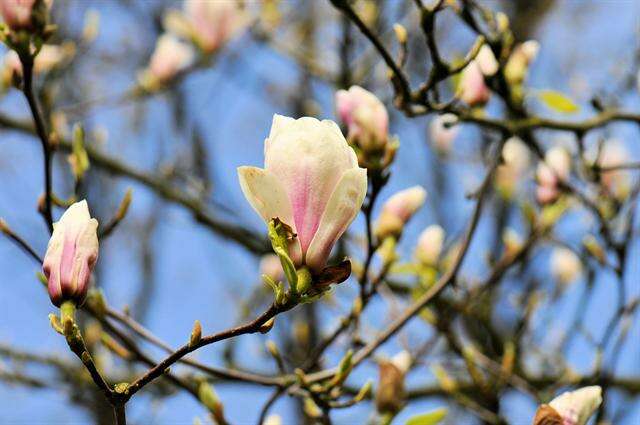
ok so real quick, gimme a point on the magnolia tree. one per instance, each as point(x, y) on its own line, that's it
point(481, 266)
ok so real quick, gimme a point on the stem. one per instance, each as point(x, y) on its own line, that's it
point(27, 67)
point(119, 414)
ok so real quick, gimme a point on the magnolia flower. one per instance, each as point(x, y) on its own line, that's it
point(571, 407)
point(616, 182)
point(270, 265)
point(391, 394)
point(430, 244)
point(442, 132)
point(169, 58)
point(71, 255)
point(487, 61)
point(365, 116)
point(565, 265)
point(398, 210)
point(518, 64)
point(516, 162)
point(17, 14)
point(472, 89)
point(555, 169)
point(311, 181)
point(210, 24)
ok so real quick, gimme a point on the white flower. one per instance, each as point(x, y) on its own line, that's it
point(310, 181)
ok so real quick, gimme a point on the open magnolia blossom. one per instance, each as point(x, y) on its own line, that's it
point(429, 245)
point(71, 255)
point(170, 57)
point(310, 181)
point(210, 24)
point(398, 210)
point(571, 407)
point(472, 89)
point(365, 116)
point(443, 131)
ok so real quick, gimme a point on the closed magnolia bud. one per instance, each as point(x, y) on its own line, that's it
point(472, 89)
point(555, 168)
point(518, 64)
point(311, 182)
point(442, 132)
point(390, 396)
point(210, 24)
point(565, 265)
point(170, 57)
point(365, 116)
point(515, 155)
point(616, 182)
point(487, 61)
point(398, 210)
point(430, 244)
point(512, 242)
point(571, 407)
point(19, 14)
point(270, 265)
point(71, 255)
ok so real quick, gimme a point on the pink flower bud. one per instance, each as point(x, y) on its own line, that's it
point(576, 407)
point(442, 133)
point(310, 181)
point(398, 210)
point(169, 58)
point(17, 13)
point(365, 116)
point(472, 89)
point(71, 255)
point(555, 168)
point(270, 265)
point(616, 182)
point(214, 22)
point(430, 244)
point(487, 61)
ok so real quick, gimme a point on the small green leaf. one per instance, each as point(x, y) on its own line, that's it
point(431, 418)
point(558, 101)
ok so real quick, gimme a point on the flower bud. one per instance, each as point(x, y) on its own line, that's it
point(616, 182)
point(71, 255)
point(273, 420)
point(209, 24)
point(555, 168)
point(170, 57)
point(397, 211)
point(390, 396)
point(311, 182)
point(270, 266)
point(365, 116)
point(430, 244)
point(18, 14)
point(516, 161)
point(49, 57)
point(472, 89)
point(512, 242)
point(571, 407)
point(487, 61)
point(518, 64)
point(442, 132)
point(565, 265)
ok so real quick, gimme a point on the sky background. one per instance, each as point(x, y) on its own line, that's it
point(197, 275)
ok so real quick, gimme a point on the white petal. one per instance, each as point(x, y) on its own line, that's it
point(279, 123)
point(342, 208)
point(269, 199)
point(577, 406)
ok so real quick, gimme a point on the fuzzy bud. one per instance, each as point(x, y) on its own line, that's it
point(472, 89)
point(571, 407)
point(430, 244)
point(397, 211)
point(365, 117)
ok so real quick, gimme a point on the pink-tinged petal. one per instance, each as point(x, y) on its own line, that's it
point(342, 208)
point(67, 281)
point(308, 157)
point(269, 199)
point(279, 124)
point(547, 194)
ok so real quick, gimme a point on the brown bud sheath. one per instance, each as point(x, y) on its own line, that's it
point(547, 415)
